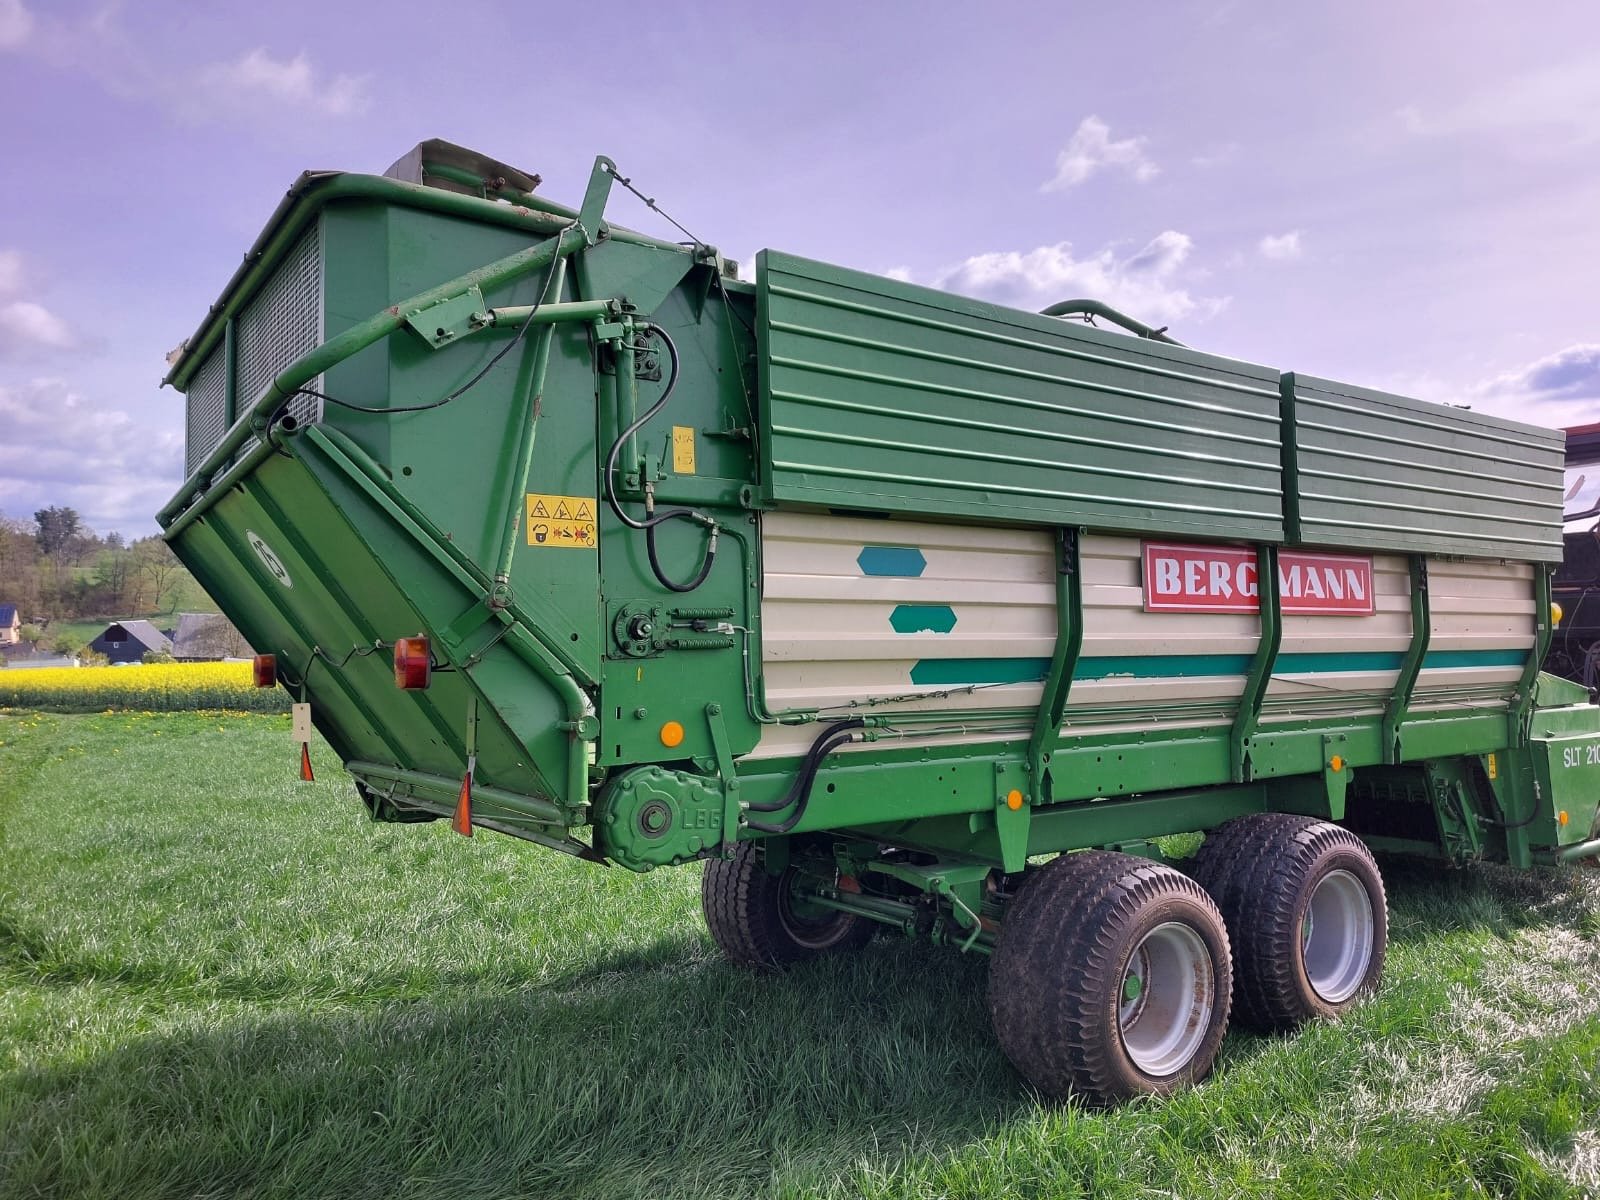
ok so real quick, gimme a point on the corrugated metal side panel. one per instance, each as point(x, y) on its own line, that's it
point(1483, 615)
point(906, 616)
point(839, 629)
point(1377, 471)
point(882, 395)
point(282, 323)
point(206, 404)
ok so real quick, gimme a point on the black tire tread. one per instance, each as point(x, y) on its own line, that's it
point(1256, 868)
point(740, 900)
point(1051, 973)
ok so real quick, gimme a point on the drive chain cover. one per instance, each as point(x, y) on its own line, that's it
point(653, 817)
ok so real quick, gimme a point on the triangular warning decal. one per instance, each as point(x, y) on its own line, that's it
point(584, 513)
point(539, 510)
point(563, 513)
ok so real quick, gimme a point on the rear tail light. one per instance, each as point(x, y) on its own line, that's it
point(264, 671)
point(413, 665)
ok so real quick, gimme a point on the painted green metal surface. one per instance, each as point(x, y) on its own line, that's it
point(1371, 470)
point(819, 388)
point(882, 395)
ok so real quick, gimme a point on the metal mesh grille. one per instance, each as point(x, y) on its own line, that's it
point(207, 403)
point(283, 322)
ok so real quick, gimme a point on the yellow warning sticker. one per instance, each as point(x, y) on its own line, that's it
point(683, 450)
point(567, 522)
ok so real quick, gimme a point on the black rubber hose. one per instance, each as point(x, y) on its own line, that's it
point(649, 523)
point(799, 793)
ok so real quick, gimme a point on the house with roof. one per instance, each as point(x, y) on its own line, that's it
point(207, 637)
point(130, 641)
point(10, 625)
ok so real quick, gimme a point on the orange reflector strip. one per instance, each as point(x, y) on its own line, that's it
point(462, 821)
point(305, 763)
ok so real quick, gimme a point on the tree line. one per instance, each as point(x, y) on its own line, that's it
point(56, 568)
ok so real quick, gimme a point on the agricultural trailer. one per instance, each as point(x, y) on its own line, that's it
point(902, 611)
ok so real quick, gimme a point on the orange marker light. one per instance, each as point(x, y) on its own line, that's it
point(671, 734)
point(264, 671)
point(1013, 799)
point(1562, 818)
point(1336, 763)
point(413, 664)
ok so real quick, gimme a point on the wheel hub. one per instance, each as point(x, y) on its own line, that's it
point(1336, 936)
point(1167, 997)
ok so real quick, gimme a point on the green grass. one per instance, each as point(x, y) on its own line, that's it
point(218, 981)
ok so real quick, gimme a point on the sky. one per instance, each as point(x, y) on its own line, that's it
point(1393, 193)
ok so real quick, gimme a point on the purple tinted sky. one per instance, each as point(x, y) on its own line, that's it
point(1400, 194)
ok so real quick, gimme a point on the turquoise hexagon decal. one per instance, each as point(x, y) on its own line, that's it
point(905, 562)
point(923, 618)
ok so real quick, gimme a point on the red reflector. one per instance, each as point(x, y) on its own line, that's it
point(265, 670)
point(305, 763)
point(412, 664)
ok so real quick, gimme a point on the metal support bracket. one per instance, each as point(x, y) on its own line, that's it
point(1421, 630)
point(450, 319)
point(722, 748)
point(1266, 656)
point(593, 209)
point(1063, 664)
point(1335, 772)
point(1521, 713)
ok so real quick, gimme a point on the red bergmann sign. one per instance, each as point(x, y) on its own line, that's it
point(1222, 579)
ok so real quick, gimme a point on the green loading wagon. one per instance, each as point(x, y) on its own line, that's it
point(879, 599)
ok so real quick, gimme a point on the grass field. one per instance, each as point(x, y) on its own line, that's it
point(218, 981)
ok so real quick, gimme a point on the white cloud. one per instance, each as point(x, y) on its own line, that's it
point(1281, 247)
point(60, 449)
point(1146, 284)
point(1091, 149)
point(903, 274)
point(1555, 105)
point(27, 327)
point(293, 83)
point(1562, 388)
point(16, 23)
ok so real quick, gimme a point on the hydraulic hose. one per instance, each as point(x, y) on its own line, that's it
point(799, 793)
point(654, 519)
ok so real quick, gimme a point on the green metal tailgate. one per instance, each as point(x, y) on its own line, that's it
point(886, 396)
point(1378, 471)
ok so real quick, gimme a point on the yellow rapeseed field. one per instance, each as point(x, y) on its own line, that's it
point(152, 687)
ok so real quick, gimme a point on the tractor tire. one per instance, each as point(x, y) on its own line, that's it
point(1306, 913)
point(1110, 979)
point(753, 918)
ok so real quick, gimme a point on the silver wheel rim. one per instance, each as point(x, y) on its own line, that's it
point(1336, 936)
point(1168, 993)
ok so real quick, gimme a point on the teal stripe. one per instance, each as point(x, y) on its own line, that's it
point(957, 672)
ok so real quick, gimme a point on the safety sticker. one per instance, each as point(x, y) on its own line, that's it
point(567, 522)
point(683, 449)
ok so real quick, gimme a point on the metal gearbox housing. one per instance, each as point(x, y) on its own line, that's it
point(653, 817)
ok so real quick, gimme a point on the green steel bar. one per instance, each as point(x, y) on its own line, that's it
point(1093, 308)
point(547, 314)
point(532, 807)
point(1063, 661)
point(628, 390)
point(220, 486)
point(1522, 702)
point(510, 194)
point(527, 427)
point(355, 339)
point(1579, 852)
point(1266, 656)
point(1421, 631)
point(303, 204)
point(230, 374)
